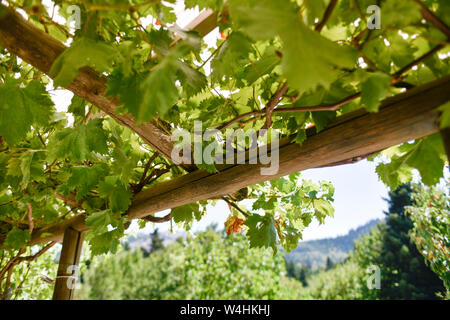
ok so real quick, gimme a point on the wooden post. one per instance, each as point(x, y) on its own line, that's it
point(68, 265)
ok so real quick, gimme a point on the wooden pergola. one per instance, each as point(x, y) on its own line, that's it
point(350, 138)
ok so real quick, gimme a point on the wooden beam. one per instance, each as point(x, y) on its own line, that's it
point(407, 116)
point(206, 21)
point(68, 265)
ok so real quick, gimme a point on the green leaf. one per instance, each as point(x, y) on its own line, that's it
point(160, 40)
point(393, 174)
point(99, 221)
point(104, 243)
point(204, 4)
point(427, 158)
point(300, 137)
point(17, 238)
point(160, 91)
point(263, 203)
point(322, 118)
point(77, 107)
point(262, 66)
point(78, 143)
point(425, 155)
point(117, 194)
point(444, 120)
point(186, 214)
point(323, 209)
point(231, 57)
point(127, 89)
point(20, 108)
point(84, 179)
point(192, 80)
point(390, 13)
point(83, 52)
point(308, 59)
point(261, 231)
point(374, 89)
point(23, 166)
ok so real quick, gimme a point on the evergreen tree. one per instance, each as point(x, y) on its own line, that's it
point(330, 264)
point(157, 243)
point(404, 274)
point(299, 272)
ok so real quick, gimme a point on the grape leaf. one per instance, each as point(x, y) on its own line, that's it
point(410, 13)
point(426, 157)
point(393, 174)
point(262, 66)
point(78, 143)
point(261, 231)
point(22, 165)
point(105, 242)
point(117, 194)
point(192, 80)
point(234, 225)
point(84, 179)
point(204, 4)
point(374, 89)
point(309, 59)
point(323, 209)
point(186, 214)
point(444, 120)
point(22, 107)
point(77, 107)
point(322, 118)
point(17, 238)
point(99, 221)
point(83, 52)
point(127, 89)
point(231, 57)
point(160, 91)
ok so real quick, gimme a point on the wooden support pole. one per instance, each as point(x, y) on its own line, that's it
point(68, 265)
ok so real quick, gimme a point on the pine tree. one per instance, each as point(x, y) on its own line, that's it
point(404, 274)
point(330, 264)
point(157, 243)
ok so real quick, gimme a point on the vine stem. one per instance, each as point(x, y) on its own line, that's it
point(231, 203)
point(274, 101)
point(326, 15)
point(433, 19)
point(398, 74)
point(17, 259)
point(158, 219)
point(397, 77)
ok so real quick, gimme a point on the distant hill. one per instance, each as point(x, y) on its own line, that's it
point(314, 253)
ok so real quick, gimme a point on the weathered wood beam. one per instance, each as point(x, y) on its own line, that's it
point(407, 116)
point(68, 265)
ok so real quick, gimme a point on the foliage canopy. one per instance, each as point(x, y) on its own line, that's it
point(52, 169)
